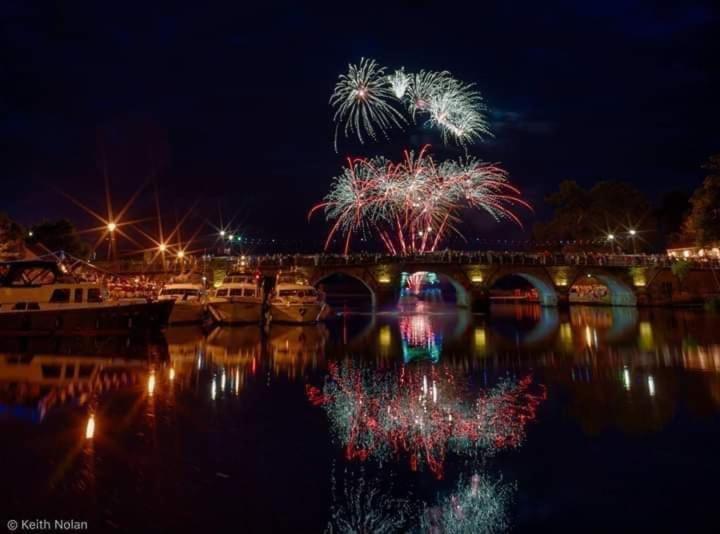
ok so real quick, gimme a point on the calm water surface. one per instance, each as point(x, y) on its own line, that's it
point(522, 419)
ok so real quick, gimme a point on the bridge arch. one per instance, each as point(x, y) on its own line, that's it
point(541, 282)
point(621, 293)
point(462, 295)
point(318, 279)
point(450, 276)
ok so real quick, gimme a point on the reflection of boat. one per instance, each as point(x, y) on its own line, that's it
point(32, 385)
point(185, 344)
point(294, 300)
point(230, 345)
point(239, 299)
point(293, 348)
point(190, 301)
point(38, 296)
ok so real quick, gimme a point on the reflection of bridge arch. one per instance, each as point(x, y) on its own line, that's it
point(539, 280)
point(548, 323)
point(621, 293)
point(325, 275)
point(624, 321)
point(547, 326)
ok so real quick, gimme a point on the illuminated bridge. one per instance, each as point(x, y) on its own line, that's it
point(630, 279)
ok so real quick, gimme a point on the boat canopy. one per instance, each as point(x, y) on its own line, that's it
point(32, 273)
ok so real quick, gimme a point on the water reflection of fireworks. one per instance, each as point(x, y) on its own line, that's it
point(419, 339)
point(362, 503)
point(423, 413)
point(478, 506)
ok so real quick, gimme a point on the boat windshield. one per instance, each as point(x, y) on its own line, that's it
point(239, 280)
point(239, 292)
point(180, 291)
point(292, 278)
point(298, 293)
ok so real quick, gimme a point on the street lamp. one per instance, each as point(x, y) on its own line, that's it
point(162, 247)
point(181, 254)
point(633, 233)
point(111, 226)
point(222, 233)
point(611, 238)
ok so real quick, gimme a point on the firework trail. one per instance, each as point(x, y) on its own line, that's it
point(413, 205)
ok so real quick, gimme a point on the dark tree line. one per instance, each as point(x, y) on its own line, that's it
point(616, 215)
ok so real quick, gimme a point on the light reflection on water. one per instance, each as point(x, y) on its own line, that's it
point(407, 397)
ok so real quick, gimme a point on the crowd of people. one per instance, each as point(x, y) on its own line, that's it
point(480, 257)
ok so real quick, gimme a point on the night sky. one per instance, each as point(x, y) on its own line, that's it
point(229, 105)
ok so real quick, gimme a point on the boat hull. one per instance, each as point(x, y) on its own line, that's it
point(114, 317)
point(296, 313)
point(187, 312)
point(238, 312)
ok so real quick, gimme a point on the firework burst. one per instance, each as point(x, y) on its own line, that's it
point(368, 101)
point(413, 205)
point(363, 99)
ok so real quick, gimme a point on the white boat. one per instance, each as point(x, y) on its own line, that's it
point(190, 301)
point(239, 299)
point(294, 300)
point(40, 297)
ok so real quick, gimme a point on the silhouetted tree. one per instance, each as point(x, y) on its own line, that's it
point(584, 218)
point(670, 216)
point(703, 223)
point(11, 236)
point(60, 235)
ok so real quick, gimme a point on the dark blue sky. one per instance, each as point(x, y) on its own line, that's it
point(230, 104)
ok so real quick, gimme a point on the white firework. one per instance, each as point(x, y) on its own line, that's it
point(422, 87)
point(399, 82)
point(367, 101)
point(364, 102)
point(456, 109)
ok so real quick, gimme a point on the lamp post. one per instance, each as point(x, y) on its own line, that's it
point(111, 227)
point(611, 238)
point(633, 233)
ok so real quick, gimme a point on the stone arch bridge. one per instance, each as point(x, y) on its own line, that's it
point(628, 283)
point(631, 279)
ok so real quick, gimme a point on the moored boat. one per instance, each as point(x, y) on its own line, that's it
point(239, 299)
point(39, 297)
point(190, 301)
point(294, 300)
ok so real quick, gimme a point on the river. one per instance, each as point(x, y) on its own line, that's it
point(521, 419)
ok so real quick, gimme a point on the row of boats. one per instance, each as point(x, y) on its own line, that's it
point(241, 299)
point(42, 296)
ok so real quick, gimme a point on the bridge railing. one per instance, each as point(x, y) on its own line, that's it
point(483, 258)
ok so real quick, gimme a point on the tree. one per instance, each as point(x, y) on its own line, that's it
point(584, 218)
point(703, 223)
point(11, 235)
point(670, 215)
point(60, 235)
point(681, 269)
